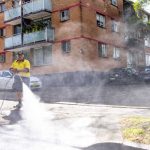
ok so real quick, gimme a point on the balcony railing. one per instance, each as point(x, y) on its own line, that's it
point(28, 38)
point(43, 35)
point(31, 7)
point(13, 41)
point(12, 13)
point(36, 6)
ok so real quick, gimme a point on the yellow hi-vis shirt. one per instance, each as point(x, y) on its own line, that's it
point(21, 65)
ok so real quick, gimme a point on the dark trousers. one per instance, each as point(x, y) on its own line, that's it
point(18, 83)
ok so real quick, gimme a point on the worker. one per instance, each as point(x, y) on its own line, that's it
point(21, 70)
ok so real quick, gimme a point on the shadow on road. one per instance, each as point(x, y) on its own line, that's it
point(13, 117)
point(111, 146)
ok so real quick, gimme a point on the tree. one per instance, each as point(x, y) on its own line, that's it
point(140, 9)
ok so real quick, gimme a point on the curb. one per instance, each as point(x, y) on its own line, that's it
point(100, 105)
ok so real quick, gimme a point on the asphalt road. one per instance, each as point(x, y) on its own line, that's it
point(65, 126)
point(129, 95)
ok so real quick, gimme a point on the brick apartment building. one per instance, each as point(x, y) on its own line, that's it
point(63, 35)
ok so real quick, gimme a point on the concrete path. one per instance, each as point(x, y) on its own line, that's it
point(71, 126)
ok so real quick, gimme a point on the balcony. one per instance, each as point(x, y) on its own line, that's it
point(13, 41)
point(37, 9)
point(30, 40)
point(39, 36)
point(31, 10)
point(13, 16)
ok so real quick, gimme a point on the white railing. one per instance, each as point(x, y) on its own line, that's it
point(36, 5)
point(13, 41)
point(29, 7)
point(28, 38)
point(12, 13)
point(43, 35)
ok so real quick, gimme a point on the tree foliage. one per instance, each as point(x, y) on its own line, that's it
point(139, 6)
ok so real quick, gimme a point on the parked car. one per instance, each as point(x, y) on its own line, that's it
point(144, 72)
point(123, 76)
point(7, 80)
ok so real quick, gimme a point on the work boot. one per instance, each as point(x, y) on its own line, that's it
point(18, 106)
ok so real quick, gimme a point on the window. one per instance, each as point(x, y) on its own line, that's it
point(66, 46)
point(114, 2)
point(2, 57)
point(129, 59)
point(147, 59)
point(2, 7)
point(64, 15)
point(147, 42)
point(2, 32)
point(17, 29)
point(42, 56)
point(114, 26)
point(15, 3)
point(116, 53)
point(102, 50)
point(100, 20)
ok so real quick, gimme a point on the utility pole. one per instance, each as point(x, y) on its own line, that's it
point(21, 3)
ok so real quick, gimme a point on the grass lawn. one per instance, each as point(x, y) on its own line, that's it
point(136, 129)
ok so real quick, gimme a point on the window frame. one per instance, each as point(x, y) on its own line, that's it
point(114, 3)
point(66, 16)
point(100, 20)
point(15, 3)
point(15, 29)
point(116, 51)
point(147, 59)
point(114, 27)
point(102, 50)
point(66, 46)
point(42, 50)
point(2, 32)
point(147, 42)
point(2, 57)
point(2, 7)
